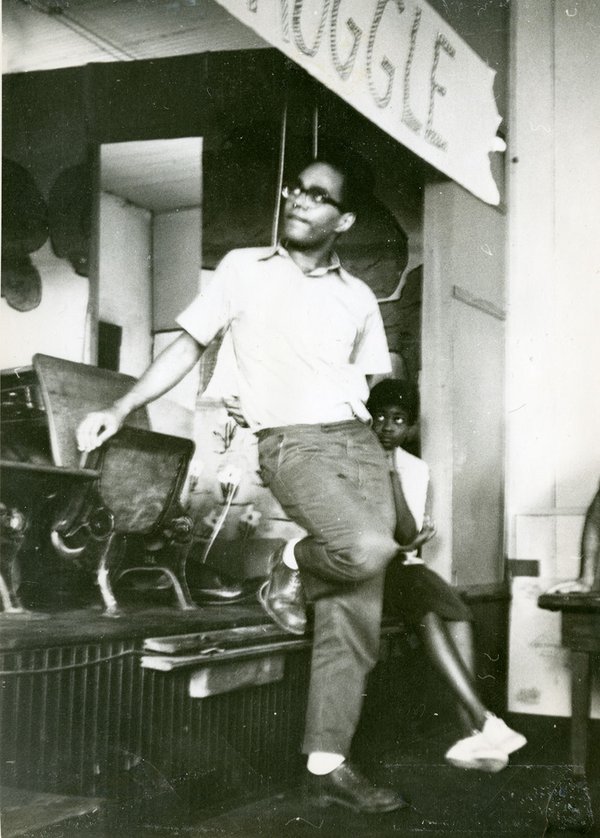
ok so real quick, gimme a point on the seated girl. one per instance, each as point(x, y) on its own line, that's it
point(421, 598)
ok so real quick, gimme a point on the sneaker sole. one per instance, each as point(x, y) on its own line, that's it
point(261, 595)
point(489, 766)
point(510, 743)
point(326, 800)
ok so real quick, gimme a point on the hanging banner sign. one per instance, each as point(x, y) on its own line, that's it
point(401, 66)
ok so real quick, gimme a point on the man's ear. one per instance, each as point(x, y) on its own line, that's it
point(346, 221)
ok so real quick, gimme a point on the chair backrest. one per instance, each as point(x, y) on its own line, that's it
point(141, 476)
point(71, 390)
point(141, 471)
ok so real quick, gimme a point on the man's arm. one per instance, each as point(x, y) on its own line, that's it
point(164, 372)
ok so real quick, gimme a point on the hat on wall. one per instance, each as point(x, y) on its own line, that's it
point(21, 284)
point(24, 230)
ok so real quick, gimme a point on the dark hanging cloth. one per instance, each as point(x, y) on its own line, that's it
point(24, 230)
point(402, 322)
point(239, 192)
point(70, 216)
point(375, 248)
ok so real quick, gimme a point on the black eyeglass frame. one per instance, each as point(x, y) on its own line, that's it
point(316, 197)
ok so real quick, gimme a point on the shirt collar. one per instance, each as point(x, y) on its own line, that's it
point(334, 266)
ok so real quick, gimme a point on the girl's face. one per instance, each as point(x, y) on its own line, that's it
point(392, 426)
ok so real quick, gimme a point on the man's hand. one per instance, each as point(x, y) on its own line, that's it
point(97, 427)
point(164, 372)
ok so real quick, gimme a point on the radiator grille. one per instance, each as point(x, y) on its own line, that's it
point(87, 720)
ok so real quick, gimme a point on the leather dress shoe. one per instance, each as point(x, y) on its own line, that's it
point(282, 598)
point(347, 787)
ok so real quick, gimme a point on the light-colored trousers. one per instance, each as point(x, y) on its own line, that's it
point(333, 481)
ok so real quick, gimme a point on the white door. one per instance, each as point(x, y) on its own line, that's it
point(462, 387)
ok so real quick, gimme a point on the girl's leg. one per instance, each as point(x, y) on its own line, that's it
point(490, 740)
point(443, 652)
point(461, 633)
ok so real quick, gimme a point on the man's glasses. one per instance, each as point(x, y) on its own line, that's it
point(313, 195)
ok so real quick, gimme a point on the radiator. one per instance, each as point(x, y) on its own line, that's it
point(88, 720)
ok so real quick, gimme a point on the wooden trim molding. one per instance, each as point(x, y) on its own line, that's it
point(464, 296)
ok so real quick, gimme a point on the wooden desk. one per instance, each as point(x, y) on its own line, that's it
point(125, 515)
point(581, 634)
point(29, 491)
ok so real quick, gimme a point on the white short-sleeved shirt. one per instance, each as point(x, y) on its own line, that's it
point(413, 474)
point(303, 342)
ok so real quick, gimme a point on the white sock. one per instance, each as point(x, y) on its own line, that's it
point(288, 557)
point(323, 762)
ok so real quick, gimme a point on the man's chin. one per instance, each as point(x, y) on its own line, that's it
point(296, 242)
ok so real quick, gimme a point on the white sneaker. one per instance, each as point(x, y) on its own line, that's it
point(500, 735)
point(476, 752)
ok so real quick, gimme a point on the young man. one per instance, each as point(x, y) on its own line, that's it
point(306, 334)
point(421, 598)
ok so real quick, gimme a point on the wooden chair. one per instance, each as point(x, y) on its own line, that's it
point(70, 391)
point(130, 519)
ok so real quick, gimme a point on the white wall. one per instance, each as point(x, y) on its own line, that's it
point(553, 354)
point(177, 253)
point(554, 281)
point(173, 413)
point(577, 217)
point(462, 382)
point(177, 249)
point(57, 326)
point(125, 278)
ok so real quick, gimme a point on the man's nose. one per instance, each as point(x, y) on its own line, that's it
point(301, 200)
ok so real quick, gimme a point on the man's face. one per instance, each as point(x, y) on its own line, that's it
point(308, 224)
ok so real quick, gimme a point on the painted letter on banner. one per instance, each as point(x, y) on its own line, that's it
point(400, 65)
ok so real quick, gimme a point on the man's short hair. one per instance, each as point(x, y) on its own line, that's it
point(357, 189)
point(395, 392)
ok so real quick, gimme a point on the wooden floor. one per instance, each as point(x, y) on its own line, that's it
point(25, 811)
point(536, 796)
